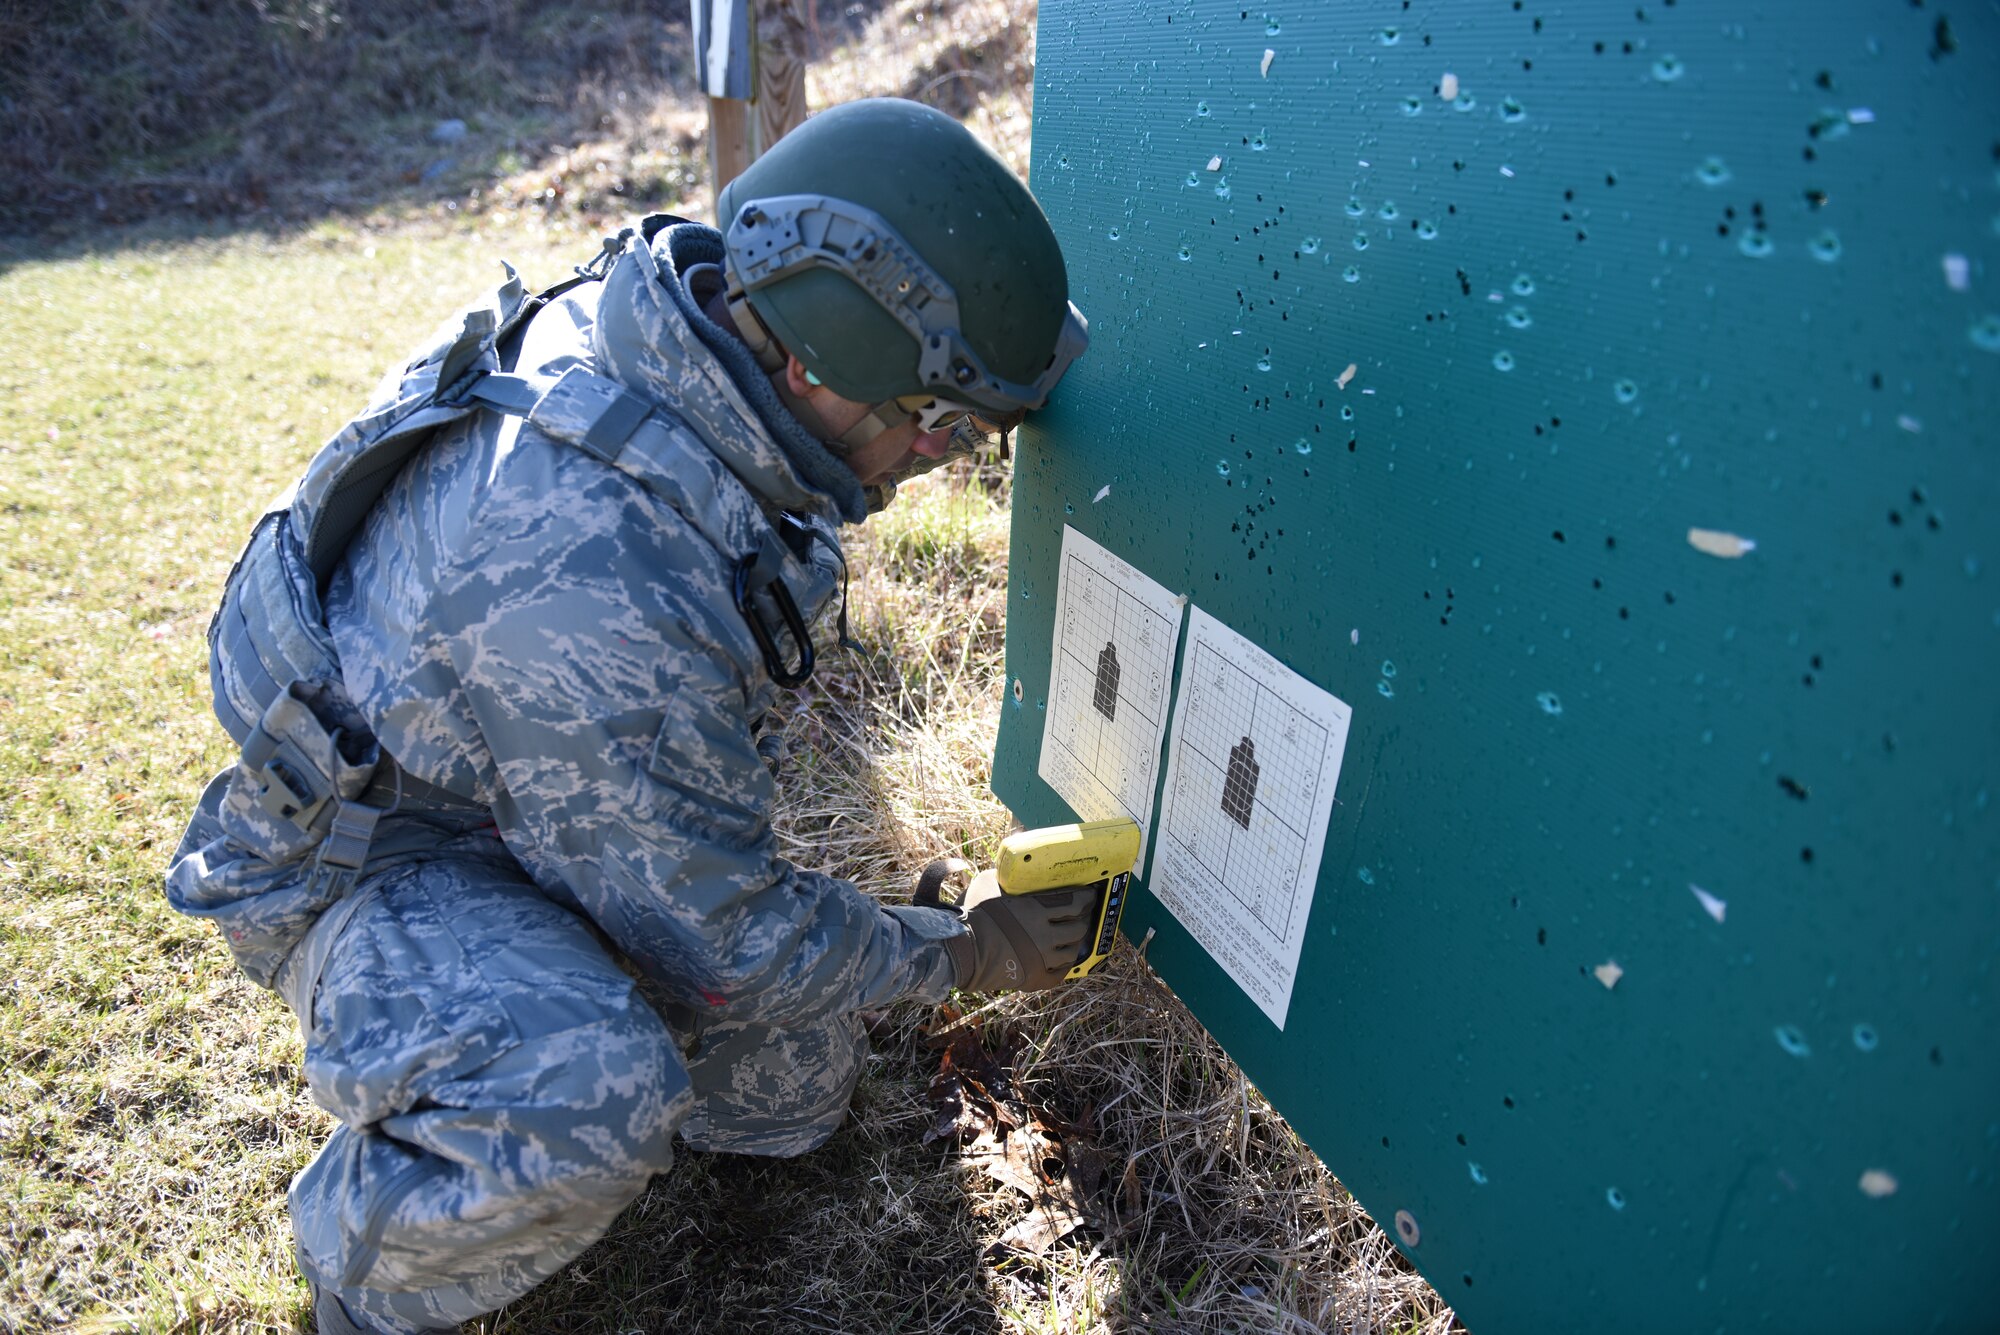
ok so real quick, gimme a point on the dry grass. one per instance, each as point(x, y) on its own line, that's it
point(1207, 1213)
point(153, 1109)
point(151, 1103)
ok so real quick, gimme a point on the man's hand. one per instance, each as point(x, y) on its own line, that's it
point(1019, 942)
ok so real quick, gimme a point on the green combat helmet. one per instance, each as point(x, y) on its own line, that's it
point(902, 263)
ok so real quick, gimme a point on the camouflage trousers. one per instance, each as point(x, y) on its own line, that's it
point(504, 1090)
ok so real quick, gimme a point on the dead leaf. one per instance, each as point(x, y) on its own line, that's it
point(1041, 1228)
point(1008, 1162)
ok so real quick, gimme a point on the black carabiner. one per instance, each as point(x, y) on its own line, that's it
point(767, 643)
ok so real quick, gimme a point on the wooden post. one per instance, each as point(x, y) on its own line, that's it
point(739, 130)
point(730, 146)
point(778, 30)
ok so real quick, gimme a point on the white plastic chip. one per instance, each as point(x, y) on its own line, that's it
point(1716, 907)
point(1608, 973)
point(1716, 543)
point(1264, 70)
point(1877, 1183)
point(1448, 88)
point(1346, 375)
point(1102, 492)
point(1215, 163)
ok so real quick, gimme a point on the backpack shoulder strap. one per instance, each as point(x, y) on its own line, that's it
point(354, 468)
point(606, 420)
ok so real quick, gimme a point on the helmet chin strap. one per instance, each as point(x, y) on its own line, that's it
point(771, 357)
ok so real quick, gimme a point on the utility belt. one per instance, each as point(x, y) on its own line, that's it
point(325, 785)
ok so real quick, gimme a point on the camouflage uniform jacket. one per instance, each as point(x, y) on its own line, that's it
point(521, 622)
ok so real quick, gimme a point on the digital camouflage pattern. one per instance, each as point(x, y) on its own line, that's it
point(551, 635)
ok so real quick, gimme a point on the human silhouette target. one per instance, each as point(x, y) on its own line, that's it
point(1116, 635)
point(1253, 758)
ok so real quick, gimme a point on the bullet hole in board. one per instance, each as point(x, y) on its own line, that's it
point(1937, 1057)
point(1944, 41)
point(1670, 597)
point(1461, 1137)
point(1558, 536)
point(1467, 1277)
point(1541, 939)
point(1816, 197)
point(1385, 1142)
point(1507, 1100)
point(1624, 614)
point(1824, 79)
point(1806, 855)
point(1896, 579)
point(1793, 788)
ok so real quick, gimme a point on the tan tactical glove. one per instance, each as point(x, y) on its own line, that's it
point(1016, 942)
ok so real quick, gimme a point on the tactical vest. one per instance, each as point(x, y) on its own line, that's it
point(307, 752)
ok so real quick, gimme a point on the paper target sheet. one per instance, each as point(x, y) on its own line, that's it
point(1116, 632)
point(1251, 769)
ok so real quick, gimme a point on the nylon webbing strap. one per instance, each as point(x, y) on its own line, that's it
point(515, 395)
point(592, 412)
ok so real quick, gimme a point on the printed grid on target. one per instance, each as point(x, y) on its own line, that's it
point(1238, 739)
point(1114, 653)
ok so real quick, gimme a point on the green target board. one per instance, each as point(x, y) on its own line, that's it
point(1523, 541)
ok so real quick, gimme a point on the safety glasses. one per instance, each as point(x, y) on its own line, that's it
point(935, 414)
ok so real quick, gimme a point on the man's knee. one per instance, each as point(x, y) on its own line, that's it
point(595, 1103)
point(505, 1089)
point(773, 1092)
point(497, 1179)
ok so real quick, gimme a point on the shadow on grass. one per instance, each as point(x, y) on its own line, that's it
point(129, 125)
point(869, 1234)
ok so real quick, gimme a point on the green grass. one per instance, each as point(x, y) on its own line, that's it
point(152, 1109)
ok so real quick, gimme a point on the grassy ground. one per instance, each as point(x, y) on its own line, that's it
point(153, 1108)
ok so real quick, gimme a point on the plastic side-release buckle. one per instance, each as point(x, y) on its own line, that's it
point(347, 840)
point(759, 572)
point(285, 774)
